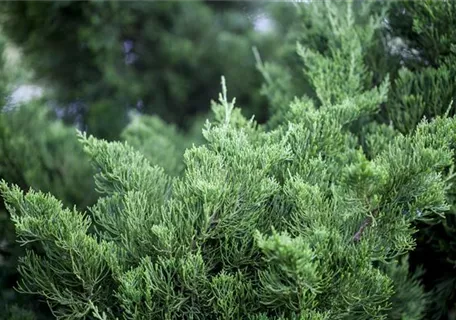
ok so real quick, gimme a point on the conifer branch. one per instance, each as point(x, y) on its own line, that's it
point(364, 225)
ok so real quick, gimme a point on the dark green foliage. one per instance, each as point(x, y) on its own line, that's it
point(425, 85)
point(414, 95)
point(15, 313)
point(426, 29)
point(103, 58)
point(37, 151)
point(427, 88)
point(40, 152)
point(409, 300)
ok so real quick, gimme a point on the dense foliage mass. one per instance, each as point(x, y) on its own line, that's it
point(427, 88)
point(414, 47)
point(260, 226)
point(340, 206)
point(38, 152)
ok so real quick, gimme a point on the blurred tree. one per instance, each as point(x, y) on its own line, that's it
point(162, 144)
point(104, 58)
point(35, 151)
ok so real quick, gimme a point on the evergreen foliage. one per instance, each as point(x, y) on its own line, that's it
point(426, 87)
point(39, 152)
point(413, 47)
point(292, 220)
point(310, 216)
point(409, 300)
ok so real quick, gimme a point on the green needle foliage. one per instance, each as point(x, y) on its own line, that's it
point(40, 152)
point(426, 87)
point(310, 216)
point(293, 222)
point(35, 151)
point(409, 44)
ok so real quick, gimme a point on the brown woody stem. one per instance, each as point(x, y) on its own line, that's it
point(360, 231)
point(364, 225)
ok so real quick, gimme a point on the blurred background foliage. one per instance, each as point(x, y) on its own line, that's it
point(101, 59)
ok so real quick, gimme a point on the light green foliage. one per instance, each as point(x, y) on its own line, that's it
point(334, 40)
point(339, 42)
point(284, 224)
point(341, 74)
point(29, 155)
